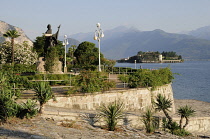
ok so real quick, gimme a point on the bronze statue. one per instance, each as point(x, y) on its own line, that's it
point(50, 39)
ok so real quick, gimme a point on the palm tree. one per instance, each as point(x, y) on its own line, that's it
point(43, 94)
point(112, 113)
point(164, 104)
point(12, 34)
point(185, 112)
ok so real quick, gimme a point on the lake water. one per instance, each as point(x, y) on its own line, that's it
point(193, 81)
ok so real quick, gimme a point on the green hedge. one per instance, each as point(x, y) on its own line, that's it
point(148, 78)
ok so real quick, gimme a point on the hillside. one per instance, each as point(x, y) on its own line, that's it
point(130, 40)
point(4, 27)
point(202, 33)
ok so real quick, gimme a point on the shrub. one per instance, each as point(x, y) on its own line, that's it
point(148, 78)
point(89, 82)
point(8, 107)
point(181, 132)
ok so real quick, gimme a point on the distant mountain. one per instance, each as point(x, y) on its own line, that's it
point(4, 27)
point(203, 32)
point(72, 42)
point(123, 42)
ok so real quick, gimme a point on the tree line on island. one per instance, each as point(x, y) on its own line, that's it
point(152, 57)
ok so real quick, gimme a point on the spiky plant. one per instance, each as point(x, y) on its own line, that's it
point(27, 109)
point(149, 121)
point(185, 112)
point(164, 104)
point(112, 113)
point(43, 93)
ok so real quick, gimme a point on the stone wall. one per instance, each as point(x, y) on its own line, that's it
point(133, 99)
point(197, 124)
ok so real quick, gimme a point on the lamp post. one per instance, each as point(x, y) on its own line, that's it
point(98, 35)
point(65, 42)
point(135, 64)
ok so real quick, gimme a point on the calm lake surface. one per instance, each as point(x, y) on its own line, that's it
point(193, 81)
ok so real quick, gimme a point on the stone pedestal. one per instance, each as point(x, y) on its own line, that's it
point(40, 65)
point(56, 69)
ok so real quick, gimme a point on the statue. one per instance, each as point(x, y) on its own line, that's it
point(50, 39)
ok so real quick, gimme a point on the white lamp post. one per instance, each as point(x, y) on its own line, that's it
point(98, 35)
point(65, 42)
point(135, 64)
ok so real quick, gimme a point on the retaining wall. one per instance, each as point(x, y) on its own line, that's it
point(133, 99)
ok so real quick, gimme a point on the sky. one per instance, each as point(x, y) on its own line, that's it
point(76, 16)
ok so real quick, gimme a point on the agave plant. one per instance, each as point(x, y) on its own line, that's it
point(27, 109)
point(43, 93)
point(112, 113)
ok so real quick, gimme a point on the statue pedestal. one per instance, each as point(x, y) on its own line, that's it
point(40, 65)
point(56, 69)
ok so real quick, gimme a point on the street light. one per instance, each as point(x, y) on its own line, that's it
point(135, 64)
point(98, 35)
point(65, 42)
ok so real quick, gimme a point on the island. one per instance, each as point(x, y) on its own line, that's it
point(153, 57)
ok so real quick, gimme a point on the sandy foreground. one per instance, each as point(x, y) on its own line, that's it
point(40, 128)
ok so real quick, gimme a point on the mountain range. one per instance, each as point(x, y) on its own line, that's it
point(122, 42)
point(4, 27)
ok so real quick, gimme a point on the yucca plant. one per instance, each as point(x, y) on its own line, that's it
point(112, 113)
point(185, 112)
point(43, 93)
point(149, 121)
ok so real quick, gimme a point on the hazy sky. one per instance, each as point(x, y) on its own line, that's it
point(82, 15)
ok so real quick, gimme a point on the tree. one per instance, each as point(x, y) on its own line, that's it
point(43, 93)
point(70, 54)
point(87, 54)
point(12, 34)
point(112, 113)
point(185, 112)
point(51, 59)
point(164, 104)
point(39, 45)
